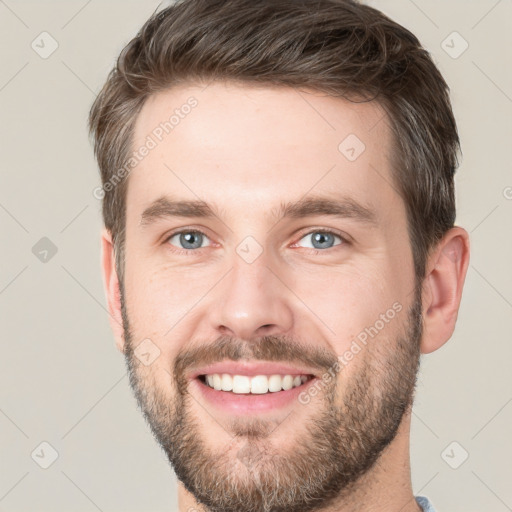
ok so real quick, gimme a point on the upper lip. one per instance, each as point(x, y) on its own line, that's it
point(251, 369)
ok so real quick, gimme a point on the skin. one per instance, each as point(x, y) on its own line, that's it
point(246, 150)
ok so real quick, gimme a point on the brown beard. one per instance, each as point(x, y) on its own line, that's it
point(337, 446)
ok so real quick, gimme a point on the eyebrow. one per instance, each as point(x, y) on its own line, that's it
point(343, 207)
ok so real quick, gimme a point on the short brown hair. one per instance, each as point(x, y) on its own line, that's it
point(339, 47)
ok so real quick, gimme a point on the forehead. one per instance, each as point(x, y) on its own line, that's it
point(249, 148)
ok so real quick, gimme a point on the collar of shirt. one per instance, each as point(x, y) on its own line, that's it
point(425, 504)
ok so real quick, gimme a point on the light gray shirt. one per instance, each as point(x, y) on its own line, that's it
point(424, 504)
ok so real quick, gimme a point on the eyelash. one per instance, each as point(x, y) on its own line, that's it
point(190, 252)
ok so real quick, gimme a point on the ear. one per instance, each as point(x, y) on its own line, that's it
point(442, 288)
point(111, 284)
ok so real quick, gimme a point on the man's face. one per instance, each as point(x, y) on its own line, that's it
point(248, 291)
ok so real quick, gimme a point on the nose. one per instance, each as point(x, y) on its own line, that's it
point(252, 301)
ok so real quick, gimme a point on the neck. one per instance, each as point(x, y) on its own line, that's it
point(385, 487)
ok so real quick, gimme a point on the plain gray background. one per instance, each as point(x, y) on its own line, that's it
point(62, 380)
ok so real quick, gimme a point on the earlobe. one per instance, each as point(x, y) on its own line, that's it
point(442, 288)
point(111, 285)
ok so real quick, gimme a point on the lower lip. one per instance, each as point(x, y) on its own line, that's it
point(243, 404)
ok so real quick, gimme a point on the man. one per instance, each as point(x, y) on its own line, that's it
point(279, 246)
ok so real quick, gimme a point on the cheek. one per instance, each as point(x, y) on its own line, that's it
point(347, 300)
point(162, 306)
point(159, 297)
point(363, 312)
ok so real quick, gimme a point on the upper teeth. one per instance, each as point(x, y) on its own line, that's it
point(258, 384)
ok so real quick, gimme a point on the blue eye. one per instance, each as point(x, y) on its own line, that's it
point(322, 239)
point(189, 239)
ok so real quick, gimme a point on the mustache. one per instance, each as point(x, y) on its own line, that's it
point(265, 348)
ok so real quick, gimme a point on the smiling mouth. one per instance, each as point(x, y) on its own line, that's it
point(253, 385)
